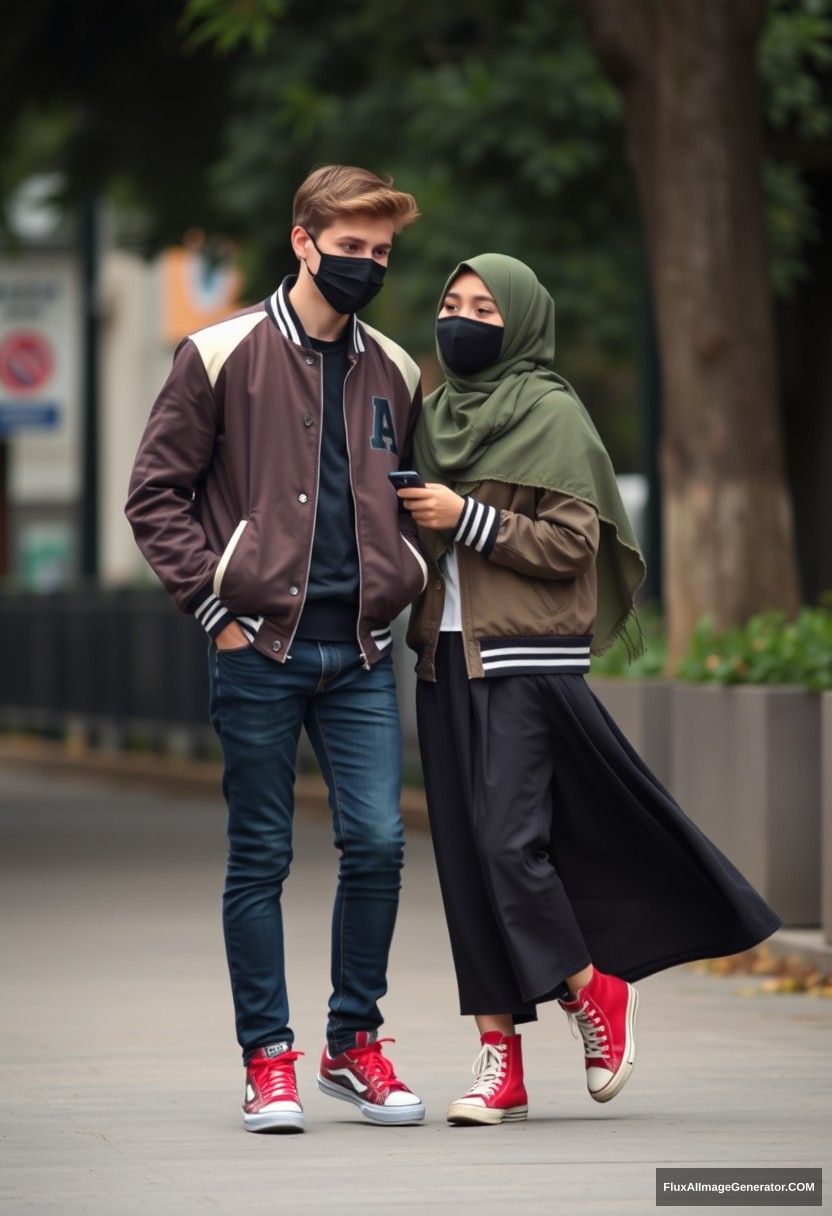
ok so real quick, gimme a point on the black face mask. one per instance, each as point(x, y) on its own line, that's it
point(347, 284)
point(468, 346)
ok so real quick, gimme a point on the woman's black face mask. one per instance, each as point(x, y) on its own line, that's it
point(468, 346)
point(347, 284)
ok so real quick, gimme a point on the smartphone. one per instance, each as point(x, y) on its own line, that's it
point(406, 479)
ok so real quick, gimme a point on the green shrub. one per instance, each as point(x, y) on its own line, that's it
point(768, 649)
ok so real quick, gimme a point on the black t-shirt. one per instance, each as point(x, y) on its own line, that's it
point(330, 613)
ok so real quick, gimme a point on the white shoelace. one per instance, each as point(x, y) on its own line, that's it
point(488, 1070)
point(591, 1026)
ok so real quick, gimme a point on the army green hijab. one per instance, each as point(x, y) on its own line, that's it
point(518, 422)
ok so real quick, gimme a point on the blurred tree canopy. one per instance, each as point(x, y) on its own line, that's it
point(497, 116)
point(109, 95)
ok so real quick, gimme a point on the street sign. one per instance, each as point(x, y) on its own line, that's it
point(40, 355)
point(26, 361)
point(32, 330)
point(27, 364)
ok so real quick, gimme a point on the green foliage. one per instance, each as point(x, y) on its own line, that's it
point(791, 223)
point(496, 117)
point(228, 24)
point(795, 58)
point(105, 95)
point(768, 649)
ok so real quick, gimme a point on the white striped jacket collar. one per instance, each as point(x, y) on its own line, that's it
point(279, 307)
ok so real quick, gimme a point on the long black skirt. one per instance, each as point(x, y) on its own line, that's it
point(556, 846)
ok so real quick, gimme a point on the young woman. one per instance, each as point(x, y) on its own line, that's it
point(566, 870)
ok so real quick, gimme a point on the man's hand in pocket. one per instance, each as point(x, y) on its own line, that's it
point(231, 638)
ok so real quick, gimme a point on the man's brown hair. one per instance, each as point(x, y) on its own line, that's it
point(338, 190)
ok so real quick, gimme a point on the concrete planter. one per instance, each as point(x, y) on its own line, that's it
point(826, 815)
point(643, 710)
point(746, 770)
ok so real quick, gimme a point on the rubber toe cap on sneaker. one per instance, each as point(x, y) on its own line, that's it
point(400, 1098)
point(597, 1078)
point(474, 1100)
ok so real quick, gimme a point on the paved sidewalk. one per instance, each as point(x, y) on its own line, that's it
point(121, 1083)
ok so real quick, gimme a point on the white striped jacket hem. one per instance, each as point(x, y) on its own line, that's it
point(521, 656)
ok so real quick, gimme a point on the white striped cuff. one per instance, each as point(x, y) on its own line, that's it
point(382, 637)
point(250, 625)
point(210, 613)
point(478, 526)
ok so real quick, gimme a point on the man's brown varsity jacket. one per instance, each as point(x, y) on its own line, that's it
point(224, 491)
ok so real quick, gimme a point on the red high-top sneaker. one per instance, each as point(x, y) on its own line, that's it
point(498, 1093)
point(365, 1077)
point(271, 1102)
point(605, 1013)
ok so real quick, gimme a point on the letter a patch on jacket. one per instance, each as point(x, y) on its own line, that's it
point(383, 437)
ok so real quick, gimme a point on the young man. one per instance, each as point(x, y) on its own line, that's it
point(260, 497)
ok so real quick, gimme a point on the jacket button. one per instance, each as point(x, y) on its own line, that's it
point(308, 419)
point(293, 590)
point(310, 360)
point(303, 498)
point(437, 586)
point(276, 646)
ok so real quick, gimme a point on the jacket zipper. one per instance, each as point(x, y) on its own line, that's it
point(355, 515)
point(320, 360)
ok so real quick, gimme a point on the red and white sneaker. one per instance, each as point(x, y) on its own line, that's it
point(498, 1093)
point(365, 1077)
point(604, 1011)
point(271, 1103)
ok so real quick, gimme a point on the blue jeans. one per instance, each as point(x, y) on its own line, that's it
point(351, 716)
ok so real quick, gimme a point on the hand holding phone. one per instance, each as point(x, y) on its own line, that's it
point(435, 506)
point(406, 479)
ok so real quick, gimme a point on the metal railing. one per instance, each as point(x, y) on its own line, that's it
point(123, 667)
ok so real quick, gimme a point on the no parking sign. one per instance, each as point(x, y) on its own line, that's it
point(27, 364)
point(40, 376)
point(33, 334)
point(26, 361)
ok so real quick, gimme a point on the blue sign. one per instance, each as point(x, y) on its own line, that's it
point(18, 416)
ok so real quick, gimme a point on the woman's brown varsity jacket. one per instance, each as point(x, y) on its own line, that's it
point(526, 561)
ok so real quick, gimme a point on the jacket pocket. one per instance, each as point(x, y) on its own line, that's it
point(552, 603)
point(417, 557)
point(227, 554)
point(406, 580)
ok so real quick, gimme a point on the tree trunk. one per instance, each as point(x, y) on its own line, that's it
point(687, 73)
